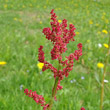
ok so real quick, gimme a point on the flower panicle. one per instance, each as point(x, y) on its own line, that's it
point(60, 36)
point(37, 98)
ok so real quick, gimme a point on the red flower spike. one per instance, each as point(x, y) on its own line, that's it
point(41, 55)
point(82, 108)
point(60, 36)
point(37, 98)
point(45, 107)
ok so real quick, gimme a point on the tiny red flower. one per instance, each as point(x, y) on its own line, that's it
point(82, 108)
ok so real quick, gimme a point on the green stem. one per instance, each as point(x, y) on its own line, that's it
point(103, 77)
point(54, 89)
point(53, 93)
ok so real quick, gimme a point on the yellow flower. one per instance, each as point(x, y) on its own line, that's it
point(40, 65)
point(30, 5)
point(56, 9)
point(15, 19)
point(98, 32)
point(100, 65)
point(97, 24)
point(106, 45)
point(59, 21)
point(77, 33)
point(5, 6)
point(23, 6)
point(105, 31)
point(88, 41)
point(2, 63)
point(20, 20)
point(90, 22)
point(104, 13)
point(103, 17)
point(40, 22)
point(59, 8)
point(45, 7)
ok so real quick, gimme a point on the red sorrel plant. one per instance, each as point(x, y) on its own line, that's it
point(60, 37)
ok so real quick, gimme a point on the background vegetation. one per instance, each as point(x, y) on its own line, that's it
point(21, 24)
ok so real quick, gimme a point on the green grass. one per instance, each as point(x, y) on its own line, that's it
point(21, 24)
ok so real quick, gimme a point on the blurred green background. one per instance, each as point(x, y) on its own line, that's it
point(21, 24)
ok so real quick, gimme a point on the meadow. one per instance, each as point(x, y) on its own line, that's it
point(21, 24)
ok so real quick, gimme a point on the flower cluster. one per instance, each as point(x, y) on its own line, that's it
point(37, 98)
point(60, 36)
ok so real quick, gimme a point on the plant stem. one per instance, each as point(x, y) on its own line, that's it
point(54, 89)
point(104, 72)
point(53, 93)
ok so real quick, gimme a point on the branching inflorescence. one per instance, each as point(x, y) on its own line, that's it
point(60, 36)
